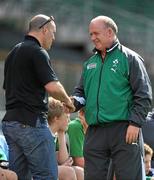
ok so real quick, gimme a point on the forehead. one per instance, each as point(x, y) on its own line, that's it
point(97, 26)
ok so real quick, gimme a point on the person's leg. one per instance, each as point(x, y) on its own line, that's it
point(39, 149)
point(128, 163)
point(17, 159)
point(110, 174)
point(127, 160)
point(79, 172)
point(2, 175)
point(96, 154)
point(32, 148)
point(8, 174)
point(66, 172)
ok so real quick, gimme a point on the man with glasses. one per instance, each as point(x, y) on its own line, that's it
point(28, 79)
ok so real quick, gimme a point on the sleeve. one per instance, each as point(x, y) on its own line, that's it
point(142, 92)
point(43, 68)
point(78, 95)
point(76, 139)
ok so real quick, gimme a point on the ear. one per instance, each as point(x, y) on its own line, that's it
point(44, 29)
point(110, 32)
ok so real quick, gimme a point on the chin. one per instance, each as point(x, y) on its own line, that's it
point(48, 47)
point(98, 48)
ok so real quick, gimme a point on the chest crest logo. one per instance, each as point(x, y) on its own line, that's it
point(114, 65)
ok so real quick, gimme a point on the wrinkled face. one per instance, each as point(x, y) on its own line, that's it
point(49, 35)
point(63, 121)
point(100, 35)
point(147, 162)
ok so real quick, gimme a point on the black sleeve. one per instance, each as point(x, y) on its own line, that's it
point(142, 92)
point(79, 96)
point(42, 67)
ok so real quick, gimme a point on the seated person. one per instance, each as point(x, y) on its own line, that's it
point(3, 149)
point(58, 124)
point(148, 127)
point(148, 132)
point(76, 133)
point(147, 161)
point(5, 173)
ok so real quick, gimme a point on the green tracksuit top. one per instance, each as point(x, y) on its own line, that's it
point(116, 88)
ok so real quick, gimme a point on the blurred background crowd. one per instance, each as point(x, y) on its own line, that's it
point(72, 46)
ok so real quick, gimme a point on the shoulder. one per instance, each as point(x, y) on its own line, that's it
point(39, 54)
point(92, 62)
point(33, 48)
point(131, 55)
point(75, 125)
point(92, 58)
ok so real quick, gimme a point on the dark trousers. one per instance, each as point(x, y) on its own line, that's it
point(103, 143)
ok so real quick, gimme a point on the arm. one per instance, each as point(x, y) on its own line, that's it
point(62, 154)
point(79, 96)
point(57, 91)
point(142, 96)
point(142, 93)
point(76, 140)
point(78, 161)
point(48, 79)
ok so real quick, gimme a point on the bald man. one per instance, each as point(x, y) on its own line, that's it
point(28, 79)
point(116, 92)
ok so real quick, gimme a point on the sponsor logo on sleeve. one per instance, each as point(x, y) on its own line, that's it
point(91, 66)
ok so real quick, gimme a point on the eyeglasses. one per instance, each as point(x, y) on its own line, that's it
point(47, 21)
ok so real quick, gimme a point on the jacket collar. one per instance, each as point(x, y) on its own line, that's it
point(114, 45)
point(32, 38)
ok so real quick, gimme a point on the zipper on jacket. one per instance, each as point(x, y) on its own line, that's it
point(103, 59)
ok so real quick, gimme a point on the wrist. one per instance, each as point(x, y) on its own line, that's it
point(134, 124)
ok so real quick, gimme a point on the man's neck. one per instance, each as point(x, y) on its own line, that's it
point(36, 35)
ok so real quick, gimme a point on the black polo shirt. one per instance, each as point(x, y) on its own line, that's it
point(27, 70)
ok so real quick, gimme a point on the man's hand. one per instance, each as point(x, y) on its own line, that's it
point(69, 106)
point(132, 134)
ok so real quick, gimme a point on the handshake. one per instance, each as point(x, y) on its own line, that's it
point(68, 104)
